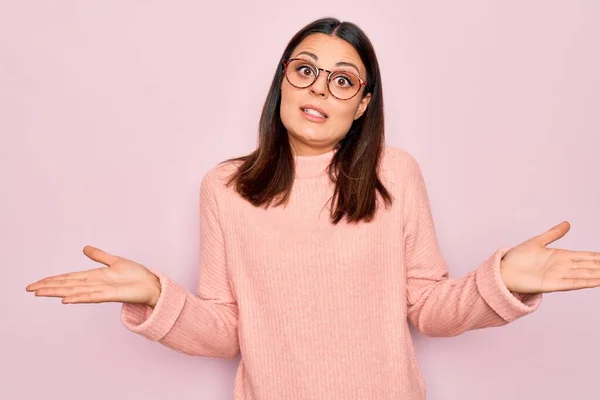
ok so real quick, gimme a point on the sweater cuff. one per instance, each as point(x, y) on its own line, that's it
point(155, 323)
point(510, 306)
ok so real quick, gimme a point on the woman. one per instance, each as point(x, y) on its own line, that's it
point(319, 247)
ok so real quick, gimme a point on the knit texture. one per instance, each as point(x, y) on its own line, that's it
point(317, 310)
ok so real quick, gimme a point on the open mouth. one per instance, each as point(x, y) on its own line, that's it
point(313, 112)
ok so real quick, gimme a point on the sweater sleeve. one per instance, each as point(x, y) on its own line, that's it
point(204, 324)
point(443, 306)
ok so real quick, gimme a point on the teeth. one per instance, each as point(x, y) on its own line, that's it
point(313, 112)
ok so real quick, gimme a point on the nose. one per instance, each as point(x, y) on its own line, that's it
point(319, 87)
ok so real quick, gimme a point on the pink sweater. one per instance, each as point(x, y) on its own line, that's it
point(320, 311)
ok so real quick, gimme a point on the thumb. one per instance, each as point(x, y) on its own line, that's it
point(553, 234)
point(99, 255)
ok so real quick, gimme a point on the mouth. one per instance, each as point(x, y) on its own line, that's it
point(313, 111)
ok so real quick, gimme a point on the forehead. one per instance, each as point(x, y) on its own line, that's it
point(329, 50)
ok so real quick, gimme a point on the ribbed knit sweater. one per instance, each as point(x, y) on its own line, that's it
point(320, 311)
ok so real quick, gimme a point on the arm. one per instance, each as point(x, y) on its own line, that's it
point(202, 325)
point(438, 305)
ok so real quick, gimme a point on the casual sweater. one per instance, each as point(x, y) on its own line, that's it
point(320, 311)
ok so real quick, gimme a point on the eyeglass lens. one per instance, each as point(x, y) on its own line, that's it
point(342, 84)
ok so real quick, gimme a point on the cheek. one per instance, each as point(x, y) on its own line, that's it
point(286, 106)
point(289, 112)
point(343, 115)
point(289, 96)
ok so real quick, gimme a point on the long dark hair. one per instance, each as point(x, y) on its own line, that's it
point(266, 175)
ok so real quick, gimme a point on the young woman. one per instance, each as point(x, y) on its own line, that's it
point(319, 246)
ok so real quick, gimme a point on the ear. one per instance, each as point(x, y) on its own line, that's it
point(362, 107)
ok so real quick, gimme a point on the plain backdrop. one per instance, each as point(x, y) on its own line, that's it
point(111, 112)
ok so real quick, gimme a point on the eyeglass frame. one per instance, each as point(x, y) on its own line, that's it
point(287, 61)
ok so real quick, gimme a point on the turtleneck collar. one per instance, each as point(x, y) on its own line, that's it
point(312, 166)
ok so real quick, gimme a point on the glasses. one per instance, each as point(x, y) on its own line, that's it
point(342, 85)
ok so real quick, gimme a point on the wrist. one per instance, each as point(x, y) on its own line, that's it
point(155, 290)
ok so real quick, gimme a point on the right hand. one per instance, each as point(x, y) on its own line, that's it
point(122, 280)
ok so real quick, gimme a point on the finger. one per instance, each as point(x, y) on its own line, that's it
point(99, 255)
point(583, 273)
point(575, 284)
point(90, 275)
point(62, 283)
point(62, 291)
point(593, 264)
point(583, 255)
point(95, 296)
point(553, 234)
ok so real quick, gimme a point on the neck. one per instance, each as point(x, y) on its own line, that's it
point(312, 165)
point(301, 149)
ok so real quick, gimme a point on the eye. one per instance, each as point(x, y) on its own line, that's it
point(305, 70)
point(343, 80)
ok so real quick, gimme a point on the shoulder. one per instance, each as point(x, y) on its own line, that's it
point(216, 179)
point(398, 162)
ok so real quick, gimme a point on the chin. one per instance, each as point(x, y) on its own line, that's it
point(313, 139)
point(308, 133)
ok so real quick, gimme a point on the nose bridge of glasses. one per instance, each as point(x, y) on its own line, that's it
point(325, 76)
point(327, 73)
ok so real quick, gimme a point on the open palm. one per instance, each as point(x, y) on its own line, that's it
point(531, 267)
point(121, 280)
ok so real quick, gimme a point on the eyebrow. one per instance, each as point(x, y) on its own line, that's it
point(338, 64)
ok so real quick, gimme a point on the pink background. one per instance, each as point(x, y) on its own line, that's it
point(111, 113)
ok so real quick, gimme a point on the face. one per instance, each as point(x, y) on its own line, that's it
point(315, 132)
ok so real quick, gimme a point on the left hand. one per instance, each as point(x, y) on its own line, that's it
point(530, 267)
